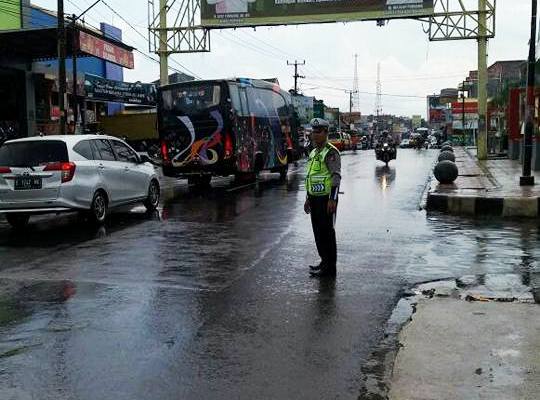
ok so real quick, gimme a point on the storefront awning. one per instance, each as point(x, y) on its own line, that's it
point(41, 44)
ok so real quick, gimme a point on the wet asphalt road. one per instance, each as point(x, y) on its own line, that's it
point(211, 299)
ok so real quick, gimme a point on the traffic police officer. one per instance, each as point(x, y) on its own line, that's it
point(322, 186)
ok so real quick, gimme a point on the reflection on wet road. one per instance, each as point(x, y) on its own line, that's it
point(211, 298)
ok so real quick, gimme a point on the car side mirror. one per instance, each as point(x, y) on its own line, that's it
point(143, 158)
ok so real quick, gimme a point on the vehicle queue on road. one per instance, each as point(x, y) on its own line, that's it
point(237, 127)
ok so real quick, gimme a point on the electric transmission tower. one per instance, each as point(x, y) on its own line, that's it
point(378, 98)
point(356, 100)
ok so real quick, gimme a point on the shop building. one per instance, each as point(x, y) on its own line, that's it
point(29, 72)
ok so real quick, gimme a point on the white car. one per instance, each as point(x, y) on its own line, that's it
point(405, 144)
point(89, 173)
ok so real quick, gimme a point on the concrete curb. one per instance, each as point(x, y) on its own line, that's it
point(469, 337)
point(528, 207)
point(480, 204)
point(380, 366)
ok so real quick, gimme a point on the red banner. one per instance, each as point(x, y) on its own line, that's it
point(471, 107)
point(100, 48)
point(436, 115)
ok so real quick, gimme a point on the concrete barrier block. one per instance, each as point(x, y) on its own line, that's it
point(462, 205)
point(520, 207)
point(437, 203)
point(492, 206)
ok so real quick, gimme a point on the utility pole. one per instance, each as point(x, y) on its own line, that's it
point(482, 81)
point(74, 49)
point(163, 51)
point(296, 76)
point(61, 31)
point(527, 179)
point(351, 92)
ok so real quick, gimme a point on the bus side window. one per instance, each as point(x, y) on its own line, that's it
point(244, 102)
point(235, 99)
point(239, 100)
point(280, 104)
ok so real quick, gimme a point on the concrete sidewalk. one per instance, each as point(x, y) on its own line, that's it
point(485, 188)
point(477, 338)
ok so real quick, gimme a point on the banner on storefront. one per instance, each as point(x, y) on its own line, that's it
point(218, 13)
point(102, 89)
point(100, 48)
point(467, 107)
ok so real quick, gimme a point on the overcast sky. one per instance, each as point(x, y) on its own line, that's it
point(410, 64)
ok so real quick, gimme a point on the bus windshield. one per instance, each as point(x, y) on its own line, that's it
point(191, 99)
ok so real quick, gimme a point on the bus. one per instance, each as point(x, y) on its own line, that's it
point(225, 127)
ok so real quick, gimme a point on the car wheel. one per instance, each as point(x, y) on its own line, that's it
point(18, 221)
point(152, 200)
point(98, 211)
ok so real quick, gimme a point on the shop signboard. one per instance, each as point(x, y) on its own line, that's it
point(436, 115)
point(219, 13)
point(416, 121)
point(101, 89)
point(304, 108)
point(467, 107)
point(318, 109)
point(100, 48)
point(10, 15)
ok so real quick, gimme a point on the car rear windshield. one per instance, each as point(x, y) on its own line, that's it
point(33, 153)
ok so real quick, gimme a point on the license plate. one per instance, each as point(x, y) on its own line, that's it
point(28, 183)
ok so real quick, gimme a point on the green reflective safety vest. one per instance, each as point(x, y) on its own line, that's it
point(319, 177)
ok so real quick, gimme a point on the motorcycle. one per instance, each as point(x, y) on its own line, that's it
point(385, 153)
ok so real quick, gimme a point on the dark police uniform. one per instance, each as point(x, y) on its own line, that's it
point(322, 183)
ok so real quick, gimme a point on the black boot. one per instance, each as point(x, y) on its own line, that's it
point(316, 267)
point(324, 272)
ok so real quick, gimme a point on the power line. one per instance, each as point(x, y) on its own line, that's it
point(268, 44)
point(84, 23)
point(251, 46)
point(341, 89)
point(144, 37)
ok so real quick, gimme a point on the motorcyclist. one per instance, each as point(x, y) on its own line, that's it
point(387, 138)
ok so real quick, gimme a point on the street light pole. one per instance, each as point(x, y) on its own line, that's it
point(463, 110)
point(61, 31)
point(527, 179)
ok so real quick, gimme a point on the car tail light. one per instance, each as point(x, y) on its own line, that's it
point(228, 145)
point(5, 170)
point(66, 168)
point(165, 152)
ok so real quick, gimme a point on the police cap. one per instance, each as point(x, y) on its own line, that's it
point(319, 123)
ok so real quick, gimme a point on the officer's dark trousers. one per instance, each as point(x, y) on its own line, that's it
point(323, 229)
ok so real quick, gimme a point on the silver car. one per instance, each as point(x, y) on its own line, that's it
point(89, 173)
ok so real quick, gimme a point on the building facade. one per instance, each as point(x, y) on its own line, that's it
point(29, 83)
